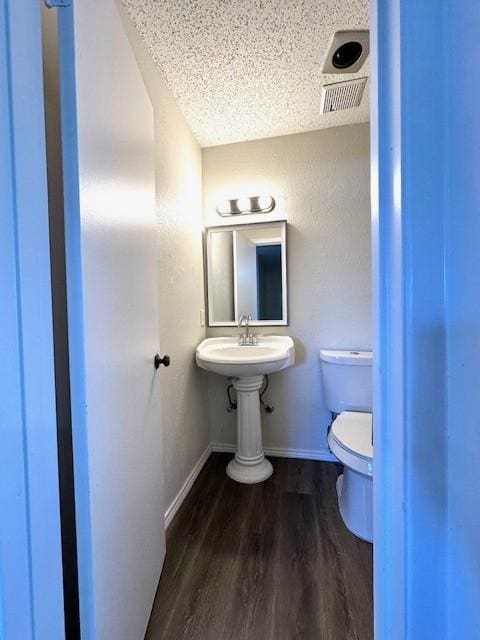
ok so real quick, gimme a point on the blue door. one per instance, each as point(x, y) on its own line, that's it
point(31, 590)
point(426, 237)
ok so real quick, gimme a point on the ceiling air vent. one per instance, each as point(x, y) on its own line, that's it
point(342, 95)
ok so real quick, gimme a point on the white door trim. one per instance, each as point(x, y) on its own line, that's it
point(31, 585)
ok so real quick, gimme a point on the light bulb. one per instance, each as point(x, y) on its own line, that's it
point(223, 207)
point(244, 204)
point(265, 202)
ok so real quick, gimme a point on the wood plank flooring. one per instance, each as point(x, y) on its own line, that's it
point(271, 561)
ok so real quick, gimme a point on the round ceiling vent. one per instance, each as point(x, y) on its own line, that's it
point(347, 52)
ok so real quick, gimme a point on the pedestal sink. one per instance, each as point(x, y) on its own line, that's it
point(247, 365)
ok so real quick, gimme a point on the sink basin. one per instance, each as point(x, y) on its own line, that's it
point(247, 365)
point(227, 358)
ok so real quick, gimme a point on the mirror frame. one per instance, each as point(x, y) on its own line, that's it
point(208, 276)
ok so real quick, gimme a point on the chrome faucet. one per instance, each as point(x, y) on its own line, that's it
point(246, 338)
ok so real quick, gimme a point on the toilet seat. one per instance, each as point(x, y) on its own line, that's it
point(350, 439)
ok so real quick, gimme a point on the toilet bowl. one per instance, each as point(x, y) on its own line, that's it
point(350, 440)
point(347, 391)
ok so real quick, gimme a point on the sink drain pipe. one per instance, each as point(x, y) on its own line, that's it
point(232, 404)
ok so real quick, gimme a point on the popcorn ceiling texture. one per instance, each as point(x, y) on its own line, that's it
point(249, 69)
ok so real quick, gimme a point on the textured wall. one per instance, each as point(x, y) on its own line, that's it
point(323, 179)
point(180, 278)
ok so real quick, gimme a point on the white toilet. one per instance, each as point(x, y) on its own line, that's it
point(347, 385)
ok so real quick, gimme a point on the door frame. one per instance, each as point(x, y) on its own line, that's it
point(388, 335)
point(411, 206)
point(31, 586)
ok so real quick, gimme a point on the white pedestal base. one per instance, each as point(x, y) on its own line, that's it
point(237, 470)
point(249, 465)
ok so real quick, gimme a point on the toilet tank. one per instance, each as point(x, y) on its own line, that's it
point(347, 380)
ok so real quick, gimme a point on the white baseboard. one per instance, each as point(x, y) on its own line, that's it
point(187, 485)
point(279, 452)
point(276, 452)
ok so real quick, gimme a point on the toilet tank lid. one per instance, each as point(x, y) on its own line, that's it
point(350, 357)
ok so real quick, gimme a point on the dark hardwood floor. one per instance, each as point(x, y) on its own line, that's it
point(271, 561)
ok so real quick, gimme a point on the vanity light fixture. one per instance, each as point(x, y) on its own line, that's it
point(246, 205)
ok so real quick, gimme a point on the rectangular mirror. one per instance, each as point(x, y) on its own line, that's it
point(247, 273)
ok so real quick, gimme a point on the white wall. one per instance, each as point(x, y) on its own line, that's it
point(246, 275)
point(322, 179)
point(180, 276)
point(222, 286)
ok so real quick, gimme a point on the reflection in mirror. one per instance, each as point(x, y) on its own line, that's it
point(246, 267)
point(221, 294)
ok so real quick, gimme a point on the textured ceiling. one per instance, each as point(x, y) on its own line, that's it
point(247, 69)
